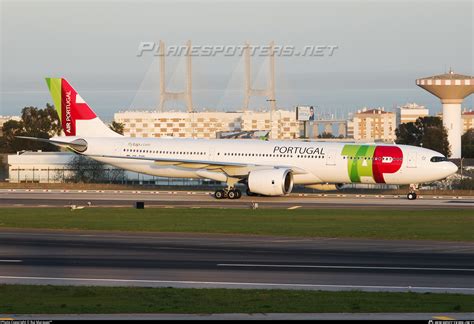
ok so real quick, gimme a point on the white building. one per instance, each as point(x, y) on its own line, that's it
point(410, 112)
point(350, 129)
point(467, 120)
point(42, 167)
point(282, 124)
point(54, 167)
point(374, 125)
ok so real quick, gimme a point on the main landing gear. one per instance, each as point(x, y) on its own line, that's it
point(412, 194)
point(231, 193)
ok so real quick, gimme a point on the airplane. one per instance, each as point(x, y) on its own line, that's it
point(268, 168)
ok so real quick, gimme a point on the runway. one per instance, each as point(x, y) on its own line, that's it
point(102, 198)
point(233, 261)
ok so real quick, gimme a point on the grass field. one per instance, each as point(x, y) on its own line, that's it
point(452, 225)
point(21, 299)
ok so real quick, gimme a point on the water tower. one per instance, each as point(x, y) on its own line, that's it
point(451, 88)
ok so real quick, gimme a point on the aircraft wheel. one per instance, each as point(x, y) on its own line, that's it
point(238, 193)
point(231, 194)
point(219, 194)
point(411, 196)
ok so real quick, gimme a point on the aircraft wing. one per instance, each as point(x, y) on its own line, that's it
point(230, 168)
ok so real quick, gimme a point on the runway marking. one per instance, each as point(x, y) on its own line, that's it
point(291, 241)
point(11, 261)
point(444, 318)
point(265, 284)
point(336, 267)
point(294, 207)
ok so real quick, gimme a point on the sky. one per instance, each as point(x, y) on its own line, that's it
point(382, 48)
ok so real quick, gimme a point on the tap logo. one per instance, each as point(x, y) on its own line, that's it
point(69, 105)
point(371, 162)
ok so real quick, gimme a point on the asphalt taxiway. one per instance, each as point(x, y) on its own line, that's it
point(233, 261)
point(117, 198)
point(241, 316)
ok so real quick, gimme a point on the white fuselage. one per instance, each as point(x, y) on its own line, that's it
point(313, 162)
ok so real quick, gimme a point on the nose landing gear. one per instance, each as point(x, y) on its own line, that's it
point(412, 194)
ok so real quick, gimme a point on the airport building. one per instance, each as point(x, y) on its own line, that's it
point(410, 112)
point(41, 167)
point(374, 125)
point(55, 167)
point(282, 124)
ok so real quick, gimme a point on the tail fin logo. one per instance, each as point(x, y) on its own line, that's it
point(67, 124)
point(69, 105)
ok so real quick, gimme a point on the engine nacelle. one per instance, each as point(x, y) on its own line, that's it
point(272, 182)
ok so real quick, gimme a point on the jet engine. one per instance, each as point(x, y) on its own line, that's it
point(271, 182)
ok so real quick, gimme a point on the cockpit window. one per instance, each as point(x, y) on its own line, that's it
point(438, 159)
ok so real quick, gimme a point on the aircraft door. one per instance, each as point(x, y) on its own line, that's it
point(411, 163)
point(211, 153)
point(331, 157)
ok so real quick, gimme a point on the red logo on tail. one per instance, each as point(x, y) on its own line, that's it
point(73, 108)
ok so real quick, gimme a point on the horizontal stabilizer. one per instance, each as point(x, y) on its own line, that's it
point(77, 145)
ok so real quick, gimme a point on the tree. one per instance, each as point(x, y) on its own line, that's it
point(82, 169)
point(85, 170)
point(43, 123)
point(467, 144)
point(3, 168)
point(428, 132)
point(467, 182)
point(8, 142)
point(117, 127)
point(326, 135)
point(39, 122)
point(408, 134)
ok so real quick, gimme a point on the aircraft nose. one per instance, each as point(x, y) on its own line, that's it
point(451, 168)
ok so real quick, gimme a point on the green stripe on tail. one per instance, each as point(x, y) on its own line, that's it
point(54, 85)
